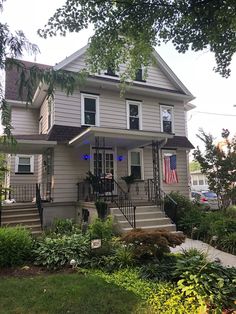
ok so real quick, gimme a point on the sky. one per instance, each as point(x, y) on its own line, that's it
point(215, 96)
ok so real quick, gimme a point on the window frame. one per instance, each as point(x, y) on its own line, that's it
point(97, 116)
point(17, 158)
point(140, 115)
point(163, 107)
point(140, 151)
point(137, 79)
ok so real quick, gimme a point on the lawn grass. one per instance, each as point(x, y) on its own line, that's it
point(65, 293)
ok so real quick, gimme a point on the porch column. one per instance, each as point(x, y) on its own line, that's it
point(156, 170)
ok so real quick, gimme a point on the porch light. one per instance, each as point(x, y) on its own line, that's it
point(120, 158)
point(86, 157)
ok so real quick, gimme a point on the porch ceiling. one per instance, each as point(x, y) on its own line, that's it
point(119, 137)
point(24, 146)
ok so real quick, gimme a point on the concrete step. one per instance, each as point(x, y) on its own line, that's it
point(10, 212)
point(19, 217)
point(25, 222)
point(140, 209)
point(146, 222)
point(18, 206)
point(168, 227)
point(143, 215)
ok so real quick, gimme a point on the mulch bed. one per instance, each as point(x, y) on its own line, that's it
point(32, 270)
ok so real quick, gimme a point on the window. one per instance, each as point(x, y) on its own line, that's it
point(134, 115)
point(90, 110)
point(136, 164)
point(195, 182)
point(139, 75)
point(111, 70)
point(201, 182)
point(167, 119)
point(24, 164)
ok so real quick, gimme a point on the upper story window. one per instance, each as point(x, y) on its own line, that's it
point(24, 164)
point(89, 109)
point(167, 119)
point(139, 75)
point(111, 70)
point(134, 115)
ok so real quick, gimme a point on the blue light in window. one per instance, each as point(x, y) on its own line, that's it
point(120, 158)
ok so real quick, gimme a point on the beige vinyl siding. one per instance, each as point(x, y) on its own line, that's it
point(44, 115)
point(155, 76)
point(182, 171)
point(23, 178)
point(25, 121)
point(113, 111)
point(69, 169)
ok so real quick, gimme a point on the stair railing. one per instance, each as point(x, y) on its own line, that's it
point(162, 200)
point(125, 205)
point(39, 203)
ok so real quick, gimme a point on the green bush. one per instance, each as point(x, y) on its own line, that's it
point(101, 229)
point(228, 243)
point(15, 246)
point(191, 221)
point(231, 211)
point(206, 282)
point(57, 252)
point(184, 205)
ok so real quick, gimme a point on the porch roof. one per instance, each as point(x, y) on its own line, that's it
point(28, 144)
point(119, 137)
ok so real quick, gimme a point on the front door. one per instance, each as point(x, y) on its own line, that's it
point(104, 165)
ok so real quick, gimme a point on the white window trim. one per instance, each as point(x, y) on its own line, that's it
point(97, 117)
point(31, 163)
point(141, 161)
point(172, 115)
point(140, 115)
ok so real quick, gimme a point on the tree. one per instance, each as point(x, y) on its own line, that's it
point(13, 46)
point(194, 166)
point(126, 30)
point(218, 163)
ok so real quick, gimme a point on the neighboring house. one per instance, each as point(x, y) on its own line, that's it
point(198, 181)
point(96, 129)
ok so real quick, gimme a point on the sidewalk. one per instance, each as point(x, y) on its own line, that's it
point(226, 259)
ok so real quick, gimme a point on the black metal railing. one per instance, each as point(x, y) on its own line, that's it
point(125, 205)
point(107, 190)
point(158, 197)
point(22, 193)
point(39, 202)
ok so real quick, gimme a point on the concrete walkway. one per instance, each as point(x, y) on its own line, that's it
point(226, 259)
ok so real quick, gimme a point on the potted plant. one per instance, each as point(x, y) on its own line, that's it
point(102, 209)
point(129, 180)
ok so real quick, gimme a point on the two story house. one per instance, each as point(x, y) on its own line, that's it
point(142, 132)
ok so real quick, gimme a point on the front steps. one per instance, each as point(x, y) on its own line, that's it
point(148, 217)
point(25, 215)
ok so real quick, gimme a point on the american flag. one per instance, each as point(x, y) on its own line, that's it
point(170, 169)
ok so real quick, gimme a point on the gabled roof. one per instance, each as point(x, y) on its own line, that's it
point(161, 64)
point(12, 78)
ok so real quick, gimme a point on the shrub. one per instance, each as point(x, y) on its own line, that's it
point(183, 205)
point(15, 246)
point(57, 252)
point(228, 243)
point(206, 282)
point(151, 243)
point(190, 220)
point(101, 229)
point(64, 226)
point(231, 211)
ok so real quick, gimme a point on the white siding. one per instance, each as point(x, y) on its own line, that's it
point(25, 121)
point(44, 115)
